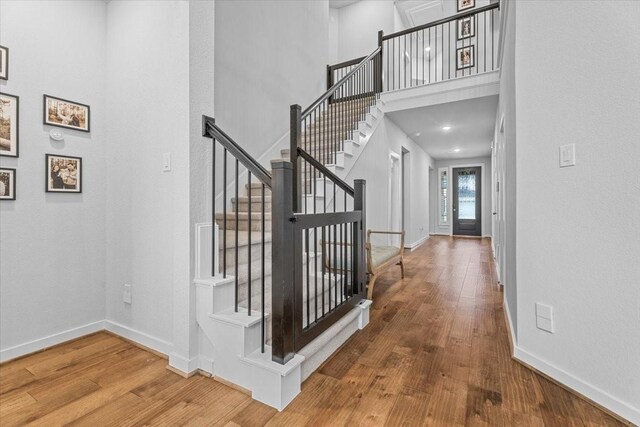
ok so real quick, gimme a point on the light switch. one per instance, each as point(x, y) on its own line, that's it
point(166, 162)
point(567, 155)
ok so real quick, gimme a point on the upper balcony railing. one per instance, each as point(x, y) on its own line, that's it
point(461, 45)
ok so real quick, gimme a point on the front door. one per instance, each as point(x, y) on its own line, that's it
point(467, 202)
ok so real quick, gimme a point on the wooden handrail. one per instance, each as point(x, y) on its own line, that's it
point(335, 87)
point(441, 21)
point(326, 172)
point(211, 130)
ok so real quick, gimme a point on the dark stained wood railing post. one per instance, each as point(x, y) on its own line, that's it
point(329, 77)
point(296, 133)
point(360, 204)
point(283, 279)
point(378, 65)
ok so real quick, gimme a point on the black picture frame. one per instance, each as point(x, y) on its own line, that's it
point(472, 53)
point(460, 27)
point(51, 186)
point(4, 63)
point(17, 117)
point(45, 115)
point(462, 7)
point(12, 183)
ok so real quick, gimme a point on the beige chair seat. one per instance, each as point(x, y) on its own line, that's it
point(379, 258)
point(382, 254)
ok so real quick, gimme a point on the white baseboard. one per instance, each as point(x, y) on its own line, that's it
point(591, 392)
point(416, 244)
point(50, 341)
point(187, 366)
point(439, 234)
point(154, 343)
point(598, 396)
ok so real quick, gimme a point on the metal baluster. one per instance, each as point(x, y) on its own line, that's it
point(249, 244)
point(429, 55)
point(484, 37)
point(315, 268)
point(236, 243)
point(306, 244)
point(335, 257)
point(262, 270)
point(213, 207)
point(224, 217)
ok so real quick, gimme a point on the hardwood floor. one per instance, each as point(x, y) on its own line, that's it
point(435, 353)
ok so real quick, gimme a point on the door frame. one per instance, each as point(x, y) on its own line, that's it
point(483, 186)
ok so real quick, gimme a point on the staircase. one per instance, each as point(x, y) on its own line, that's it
point(299, 226)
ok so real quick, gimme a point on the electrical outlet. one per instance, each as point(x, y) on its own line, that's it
point(544, 317)
point(166, 162)
point(126, 293)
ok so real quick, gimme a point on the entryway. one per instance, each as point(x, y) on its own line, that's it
point(467, 201)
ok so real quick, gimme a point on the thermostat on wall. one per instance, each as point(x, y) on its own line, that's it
point(56, 134)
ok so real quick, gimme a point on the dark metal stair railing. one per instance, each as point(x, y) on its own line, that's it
point(253, 170)
point(460, 45)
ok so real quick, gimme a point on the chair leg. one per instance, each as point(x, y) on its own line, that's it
point(370, 288)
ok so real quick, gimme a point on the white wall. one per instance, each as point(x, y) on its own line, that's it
point(578, 227)
point(147, 209)
point(373, 165)
point(485, 191)
point(334, 35)
point(53, 245)
point(359, 24)
point(268, 56)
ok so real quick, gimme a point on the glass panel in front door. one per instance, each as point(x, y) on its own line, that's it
point(467, 195)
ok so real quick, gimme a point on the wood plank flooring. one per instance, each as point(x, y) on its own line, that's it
point(435, 353)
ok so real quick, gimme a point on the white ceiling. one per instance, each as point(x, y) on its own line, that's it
point(472, 123)
point(337, 4)
point(418, 12)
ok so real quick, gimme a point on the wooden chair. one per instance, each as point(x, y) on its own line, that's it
point(379, 258)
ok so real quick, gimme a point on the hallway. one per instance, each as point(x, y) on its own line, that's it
point(435, 353)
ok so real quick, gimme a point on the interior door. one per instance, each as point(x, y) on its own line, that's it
point(467, 201)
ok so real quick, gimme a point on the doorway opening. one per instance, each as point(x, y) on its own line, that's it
point(467, 201)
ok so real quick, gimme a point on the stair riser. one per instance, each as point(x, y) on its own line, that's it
point(243, 254)
point(243, 225)
point(255, 206)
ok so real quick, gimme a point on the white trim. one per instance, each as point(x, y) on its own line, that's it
point(601, 397)
point(415, 245)
point(154, 343)
point(183, 364)
point(597, 395)
point(508, 313)
point(49, 341)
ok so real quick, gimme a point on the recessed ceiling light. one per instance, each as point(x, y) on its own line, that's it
point(427, 49)
point(456, 150)
point(417, 133)
point(445, 128)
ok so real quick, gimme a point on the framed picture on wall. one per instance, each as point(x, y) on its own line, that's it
point(466, 4)
point(466, 27)
point(7, 184)
point(63, 174)
point(465, 57)
point(66, 114)
point(4, 63)
point(9, 124)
